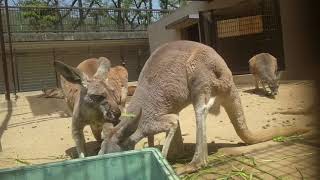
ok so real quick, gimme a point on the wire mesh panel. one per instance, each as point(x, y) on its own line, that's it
point(240, 26)
point(35, 70)
point(73, 19)
point(244, 30)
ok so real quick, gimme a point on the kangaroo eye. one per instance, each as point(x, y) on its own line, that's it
point(96, 97)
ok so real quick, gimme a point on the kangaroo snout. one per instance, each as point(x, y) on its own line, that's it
point(111, 115)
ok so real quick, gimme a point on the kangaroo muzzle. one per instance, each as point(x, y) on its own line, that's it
point(110, 115)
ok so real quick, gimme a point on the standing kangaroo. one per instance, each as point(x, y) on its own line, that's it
point(264, 68)
point(175, 75)
point(93, 92)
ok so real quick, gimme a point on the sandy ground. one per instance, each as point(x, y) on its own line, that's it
point(37, 130)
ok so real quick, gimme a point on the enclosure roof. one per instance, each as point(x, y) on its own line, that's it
point(240, 8)
point(184, 22)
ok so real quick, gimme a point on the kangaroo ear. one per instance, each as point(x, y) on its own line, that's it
point(103, 69)
point(71, 74)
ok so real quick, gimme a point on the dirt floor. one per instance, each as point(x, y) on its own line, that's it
point(36, 130)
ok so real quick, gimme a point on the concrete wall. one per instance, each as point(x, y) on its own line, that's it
point(157, 32)
point(76, 36)
point(38, 56)
point(294, 31)
point(159, 35)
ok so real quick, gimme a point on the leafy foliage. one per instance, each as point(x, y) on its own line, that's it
point(45, 15)
point(40, 18)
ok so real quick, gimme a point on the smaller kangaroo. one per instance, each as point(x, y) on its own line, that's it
point(264, 68)
point(93, 91)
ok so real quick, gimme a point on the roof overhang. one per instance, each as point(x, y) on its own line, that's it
point(184, 22)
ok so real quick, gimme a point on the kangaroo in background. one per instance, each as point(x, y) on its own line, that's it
point(175, 75)
point(264, 68)
point(93, 91)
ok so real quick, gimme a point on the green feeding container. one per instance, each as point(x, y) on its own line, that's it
point(136, 164)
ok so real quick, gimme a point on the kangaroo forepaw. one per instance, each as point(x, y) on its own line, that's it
point(188, 168)
point(193, 166)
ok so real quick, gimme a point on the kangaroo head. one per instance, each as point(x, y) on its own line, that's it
point(119, 138)
point(96, 92)
point(274, 84)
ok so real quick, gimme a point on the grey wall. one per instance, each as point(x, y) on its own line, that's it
point(295, 43)
point(296, 46)
point(34, 60)
point(157, 33)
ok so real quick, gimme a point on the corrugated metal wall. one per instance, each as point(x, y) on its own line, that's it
point(35, 67)
point(35, 70)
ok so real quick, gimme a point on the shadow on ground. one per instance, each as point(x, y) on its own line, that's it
point(5, 120)
point(92, 147)
point(44, 106)
point(189, 149)
point(259, 92)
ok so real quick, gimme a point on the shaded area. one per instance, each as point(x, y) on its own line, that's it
point(5, 121)
point(189, 149)
point(290, 160)
point(44, 106)
point(92, 147)
point(258, 92)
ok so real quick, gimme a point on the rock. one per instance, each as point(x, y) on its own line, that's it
point(34, 126)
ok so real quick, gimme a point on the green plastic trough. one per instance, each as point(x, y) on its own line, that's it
point(137, 164)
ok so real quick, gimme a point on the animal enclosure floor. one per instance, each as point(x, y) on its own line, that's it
point(278, 161)
point(37, 130)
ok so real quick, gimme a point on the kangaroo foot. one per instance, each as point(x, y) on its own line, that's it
point(188, 168)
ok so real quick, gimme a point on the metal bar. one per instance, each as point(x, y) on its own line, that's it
point(16, 68)
point(4, 60)
point(92, 8)
point(280, 36)
point(10, 48)
point(55, 71)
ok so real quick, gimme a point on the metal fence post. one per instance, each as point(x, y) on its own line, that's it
point(10, 48)
point(4, 60)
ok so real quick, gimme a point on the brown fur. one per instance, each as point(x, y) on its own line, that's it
point(264, 68)
point(118, 78)
point(131, 90)
point(83, 97)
